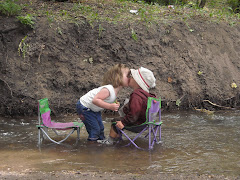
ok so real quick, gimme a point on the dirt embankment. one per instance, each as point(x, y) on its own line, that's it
point(192, 63)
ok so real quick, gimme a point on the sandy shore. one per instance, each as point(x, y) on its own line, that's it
point(106, 176)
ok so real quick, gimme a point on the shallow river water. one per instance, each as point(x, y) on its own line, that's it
point(192, 143)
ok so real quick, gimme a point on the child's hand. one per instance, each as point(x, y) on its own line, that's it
point(81, 117)
point(115, 106)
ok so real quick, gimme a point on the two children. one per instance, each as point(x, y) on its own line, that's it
point(90, 105)
point(141, 80)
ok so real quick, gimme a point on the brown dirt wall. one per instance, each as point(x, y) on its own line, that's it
point(58, 62)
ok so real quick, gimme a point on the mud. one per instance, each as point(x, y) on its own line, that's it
point(98, 175)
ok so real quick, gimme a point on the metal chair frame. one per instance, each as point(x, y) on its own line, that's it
point(152, 124)
point(43, 130)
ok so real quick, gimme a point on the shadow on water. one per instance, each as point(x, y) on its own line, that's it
point(192, 143)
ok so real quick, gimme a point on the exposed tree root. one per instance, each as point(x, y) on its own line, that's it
point(7, 86)
point(218, 106)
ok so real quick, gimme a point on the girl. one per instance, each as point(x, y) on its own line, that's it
point(90, 105)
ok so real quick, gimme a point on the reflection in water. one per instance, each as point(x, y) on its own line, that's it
point(192, 143)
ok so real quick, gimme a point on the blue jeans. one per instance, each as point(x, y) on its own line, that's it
point(92, 121)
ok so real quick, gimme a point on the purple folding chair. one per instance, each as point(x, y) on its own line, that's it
point(46, 123)
point(152, 125)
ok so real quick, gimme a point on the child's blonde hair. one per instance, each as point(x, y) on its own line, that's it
point(114, 75)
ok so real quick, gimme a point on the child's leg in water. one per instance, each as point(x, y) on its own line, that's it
point(92, 125)
point(101, 126)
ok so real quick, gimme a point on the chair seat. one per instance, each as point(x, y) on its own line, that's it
point(75, 125)
point(155, 123)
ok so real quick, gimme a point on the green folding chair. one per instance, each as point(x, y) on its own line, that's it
point(45, 123)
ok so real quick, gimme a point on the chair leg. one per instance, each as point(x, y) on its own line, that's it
point(154, 131)
point(157, 134)
point(160, 138)
point(46, 130)
point(131, 141)
point(120, 135)
point(140, 133)
point(78, 133)
point(149, 137)
point(39, 137)
point(54, 130)
point(160, 134)
point(152, 136)
point(57, 142)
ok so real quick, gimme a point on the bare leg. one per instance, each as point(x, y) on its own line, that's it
point(113, 134)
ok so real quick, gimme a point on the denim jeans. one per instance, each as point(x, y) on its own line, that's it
point(92, 121)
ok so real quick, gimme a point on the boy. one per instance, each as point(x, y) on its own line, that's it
point(141, 80)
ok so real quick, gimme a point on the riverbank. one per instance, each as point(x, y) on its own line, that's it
point(193, 53)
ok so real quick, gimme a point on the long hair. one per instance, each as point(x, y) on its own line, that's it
point(114, 75)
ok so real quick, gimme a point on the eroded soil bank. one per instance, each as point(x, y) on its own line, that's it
point(65, 60)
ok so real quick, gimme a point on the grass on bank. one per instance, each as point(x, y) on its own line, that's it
point(117, 11)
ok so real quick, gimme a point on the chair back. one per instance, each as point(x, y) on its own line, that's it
point(43, 105)
point(153, 109)
point(45, 111)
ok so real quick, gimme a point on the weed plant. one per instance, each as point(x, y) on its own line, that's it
point(118, 11)
point(234, 5)
point(23, 47)
point(27, 20)
point(9, 8)
point(134, 35)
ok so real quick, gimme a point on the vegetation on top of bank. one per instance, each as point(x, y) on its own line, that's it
point(119, 11)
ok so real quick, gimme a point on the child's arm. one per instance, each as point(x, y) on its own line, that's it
point(134, 111)
point(98, 100)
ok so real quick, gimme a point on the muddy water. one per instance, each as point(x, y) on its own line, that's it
point(192, 143)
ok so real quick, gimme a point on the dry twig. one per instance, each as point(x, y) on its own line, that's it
point(42, 48)
point(213, 104)
point(7, 86)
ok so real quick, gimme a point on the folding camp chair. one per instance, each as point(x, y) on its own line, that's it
point(152, 125)
point(46, 123)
